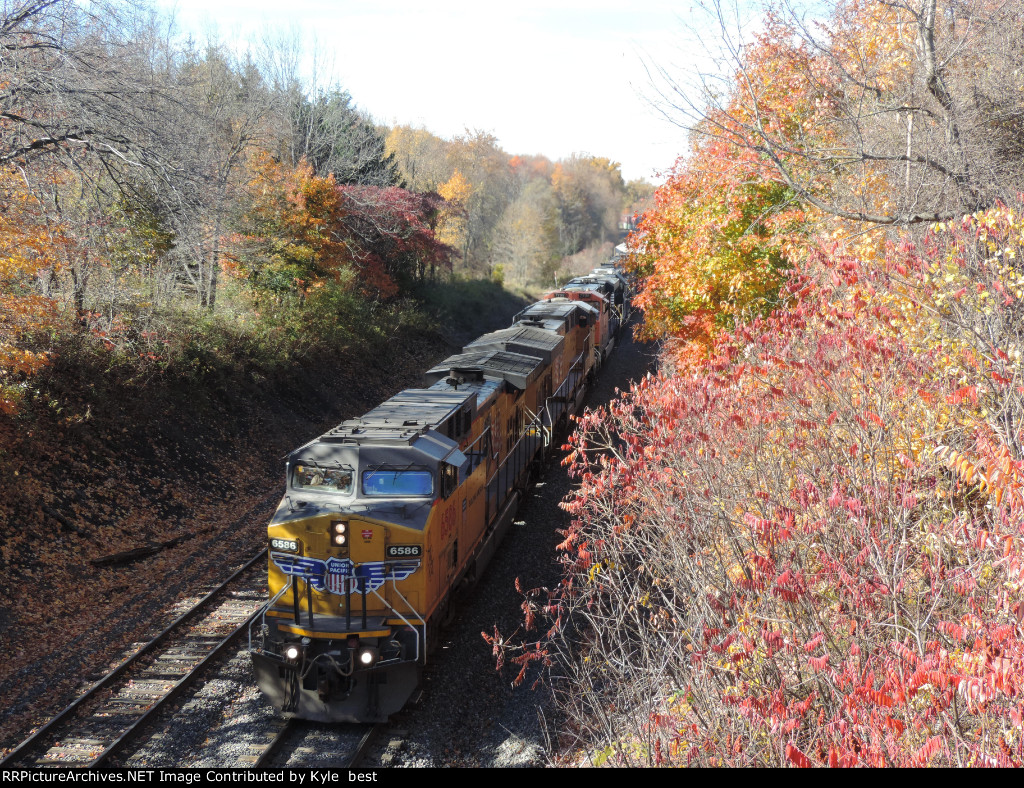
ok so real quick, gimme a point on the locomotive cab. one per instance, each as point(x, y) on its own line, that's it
point(345, 629)
point(383, 519)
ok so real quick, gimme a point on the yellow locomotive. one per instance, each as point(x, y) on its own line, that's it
point(385, 516)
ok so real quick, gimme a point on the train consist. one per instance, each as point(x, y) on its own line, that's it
point(386, 516)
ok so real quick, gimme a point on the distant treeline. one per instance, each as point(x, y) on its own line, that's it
point(148, 181)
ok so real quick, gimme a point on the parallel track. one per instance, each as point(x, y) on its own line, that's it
point(108, 716)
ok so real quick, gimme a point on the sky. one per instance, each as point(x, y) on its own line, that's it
point(550, 77)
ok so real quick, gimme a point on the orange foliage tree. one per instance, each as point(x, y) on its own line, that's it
point(727, 225)
point(303, 231)
point(285, 243)
point(28, 247)
point(713, 248)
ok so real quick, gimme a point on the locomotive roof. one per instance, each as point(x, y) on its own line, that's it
point(607, 280)
point(554, 324)
point(517, 369)
point(558, 296)
point(470, 381)
point(402, 418)
point(612, 272)
point(562, 309)
point(519, 339)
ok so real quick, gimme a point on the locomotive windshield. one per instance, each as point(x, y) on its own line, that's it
point(313, 477)
point(403, 483)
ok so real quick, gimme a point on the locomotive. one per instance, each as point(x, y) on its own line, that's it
point(387, 516)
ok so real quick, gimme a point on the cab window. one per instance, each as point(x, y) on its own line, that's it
point(398, 483)
point(313, 477)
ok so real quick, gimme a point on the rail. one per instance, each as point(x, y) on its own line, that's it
point(117, 741)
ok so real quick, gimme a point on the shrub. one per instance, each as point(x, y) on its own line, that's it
point(808, 551)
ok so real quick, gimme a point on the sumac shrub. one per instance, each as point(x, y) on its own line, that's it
point(807, 550)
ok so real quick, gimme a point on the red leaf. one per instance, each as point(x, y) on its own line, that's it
point(796, 757)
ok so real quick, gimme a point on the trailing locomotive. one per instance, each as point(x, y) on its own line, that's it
point(386, 516)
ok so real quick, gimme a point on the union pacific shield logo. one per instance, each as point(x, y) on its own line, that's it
point(338, 575)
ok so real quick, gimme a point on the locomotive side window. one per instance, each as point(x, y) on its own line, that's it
point(449, 479)
point(404, 483)
point(312, 477)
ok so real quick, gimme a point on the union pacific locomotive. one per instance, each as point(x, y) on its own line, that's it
point(386, 516)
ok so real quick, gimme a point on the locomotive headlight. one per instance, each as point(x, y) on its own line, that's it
point(339, 533)
point(292, 652)
point(367, 656)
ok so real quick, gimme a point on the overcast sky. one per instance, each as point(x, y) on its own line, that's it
point(550, 77)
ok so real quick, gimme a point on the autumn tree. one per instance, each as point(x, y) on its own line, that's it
point(890, 113)
point(88, 112)
point(421, 157)
point(639, 197)
point(715, 246)
point(226, 109)
point(504, 203)
point(28, 250)
point(284, 242)
point(304, 231)
point(590, 194)
point(525, 239)
point(484, 164)
point(451, 222)
point(391, 231)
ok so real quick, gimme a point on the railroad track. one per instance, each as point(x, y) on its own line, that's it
point(114, 710)
point(301, 744)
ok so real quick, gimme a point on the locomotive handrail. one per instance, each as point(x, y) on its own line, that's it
point(512, 466)
point(262, 615)
point(537, 423)
point(406, 621)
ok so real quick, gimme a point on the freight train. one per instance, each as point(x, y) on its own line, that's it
point(385, 517)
